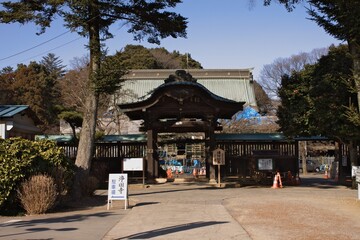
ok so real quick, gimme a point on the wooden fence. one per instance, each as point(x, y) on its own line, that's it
point(241, 156)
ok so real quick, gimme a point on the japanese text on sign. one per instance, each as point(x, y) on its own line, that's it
point(265, 164)
point(118, 185)
point(218, 157)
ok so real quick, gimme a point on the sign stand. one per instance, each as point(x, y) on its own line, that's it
point(135, 164)
point(219, 183)
point(219, 159)
point(355, 173)
point(118, 189)
point(143, 173)
point(357, 178)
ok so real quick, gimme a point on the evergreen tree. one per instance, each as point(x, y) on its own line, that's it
point(92, 19)
point(316, 100)
point(340, 19)
point(53, 65)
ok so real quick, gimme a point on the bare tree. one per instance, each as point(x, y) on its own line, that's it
point(74, 85)
point(270, 75)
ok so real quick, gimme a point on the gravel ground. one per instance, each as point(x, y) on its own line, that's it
point(318, 211)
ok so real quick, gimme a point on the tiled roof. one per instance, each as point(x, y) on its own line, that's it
point(232, 84)
point(8, 111)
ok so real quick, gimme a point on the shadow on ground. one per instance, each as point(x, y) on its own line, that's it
point(171, 229)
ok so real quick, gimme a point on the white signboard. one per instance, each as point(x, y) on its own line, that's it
point(118, 188)
point(133, 164)
point(358, 175)
point(357, 178)
point(218, 157)
point(265, 164)
point(353, 170)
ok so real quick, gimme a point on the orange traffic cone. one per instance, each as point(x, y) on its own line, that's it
point(169, 173)
point(275, 185)
point(326, 176)
point(195, 172)
point(277, 181)
point(280, 182)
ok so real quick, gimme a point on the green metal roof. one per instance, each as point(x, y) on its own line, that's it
point(250, 137)
point(56, 138)
point(233, 84)
point(8, 111)
point(142, 137)
point(124, 138)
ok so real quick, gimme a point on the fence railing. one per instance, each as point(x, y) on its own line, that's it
point(138, 149)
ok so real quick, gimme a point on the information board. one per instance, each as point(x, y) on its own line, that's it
point(133, 164)
point(356, 173)
point(218, 157)
point(118, 188)
point(265, 164)
point(353, 170)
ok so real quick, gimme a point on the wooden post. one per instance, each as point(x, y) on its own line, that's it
point(219, 179)
point(210, 146)
point(149, 154)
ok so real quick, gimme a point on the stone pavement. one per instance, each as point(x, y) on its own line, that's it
point(89, 224)
point(191, 215)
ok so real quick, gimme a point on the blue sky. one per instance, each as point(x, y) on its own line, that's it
point(227, 34)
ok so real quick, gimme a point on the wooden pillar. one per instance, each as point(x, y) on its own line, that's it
point(152, 165)
point(210, 145)
point(339, 159)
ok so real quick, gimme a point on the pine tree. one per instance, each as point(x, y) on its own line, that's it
point(145, 19)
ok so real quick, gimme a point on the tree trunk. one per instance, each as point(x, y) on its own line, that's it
point(353, 158)
point(354, 49)
point(87, 134)
point(303, 153)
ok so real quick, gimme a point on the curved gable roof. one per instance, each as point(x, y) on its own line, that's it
point(232, 84)
point(182, 99)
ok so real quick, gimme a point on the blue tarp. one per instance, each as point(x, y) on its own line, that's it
point(249, 113)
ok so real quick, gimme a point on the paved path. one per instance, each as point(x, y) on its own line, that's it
point(178, 212)
point(87, 224)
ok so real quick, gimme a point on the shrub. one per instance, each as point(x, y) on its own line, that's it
point(15, 162)
point(38, 194)
point(20, 159)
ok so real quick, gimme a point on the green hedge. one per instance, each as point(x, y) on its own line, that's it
point(21, 159)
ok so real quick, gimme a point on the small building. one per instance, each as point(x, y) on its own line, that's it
point(18, 121)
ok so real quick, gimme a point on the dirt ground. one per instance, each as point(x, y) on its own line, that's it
point(304, 212)
point(317, 209)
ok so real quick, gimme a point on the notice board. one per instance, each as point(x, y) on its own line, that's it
point(133, 164)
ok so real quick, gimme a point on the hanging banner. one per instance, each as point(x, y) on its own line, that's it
point(118, 188)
